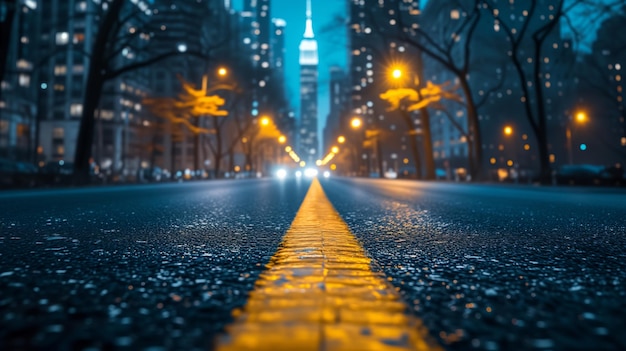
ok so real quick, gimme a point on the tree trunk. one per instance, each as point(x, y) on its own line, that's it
point(94, 87)
point(476, 159)
point(5, 36)
point(427, 140)
point(379, 157)
point(218, 148)
point(413, 141)
point(84, 142)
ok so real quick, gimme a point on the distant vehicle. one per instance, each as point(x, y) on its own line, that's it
point(586, 174)
point(17, 174)
point(57, 172)
point(154, 174)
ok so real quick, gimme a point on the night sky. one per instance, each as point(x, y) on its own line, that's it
point(331, 40)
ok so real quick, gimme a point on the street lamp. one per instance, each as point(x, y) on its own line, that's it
point(222, 71)
point(580, 118)
point(282, 139)
point(341, 139)
point(508, 132)
point(396, 73)
point(265, 121)
point(356, 123)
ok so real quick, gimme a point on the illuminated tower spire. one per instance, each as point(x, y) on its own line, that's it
point(307, 133)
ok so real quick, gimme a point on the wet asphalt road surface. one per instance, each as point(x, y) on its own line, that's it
point(160, 267)
point(497, 267)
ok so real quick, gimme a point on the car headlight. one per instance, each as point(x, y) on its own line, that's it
point(281, 174)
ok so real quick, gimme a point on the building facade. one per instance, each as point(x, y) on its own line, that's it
point(308, 145)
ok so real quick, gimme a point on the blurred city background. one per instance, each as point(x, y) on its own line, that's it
point(99, 91)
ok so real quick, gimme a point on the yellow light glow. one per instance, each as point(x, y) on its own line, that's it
point(508, 130)
point(237, 168)
point(509, 163)
point(526, 147)
point(244, 140)
point(282, 139)
point(581, 117)
point(333, 167)
point(265, 121)
point(335, 149)
point(341, 139)
point(302, 163)
point(396, 73)
point(318, 162)
point(288, 149)
point(222, 71)
point(492, 161)
point(552, 158)
point(356, 122)
point(405, 161)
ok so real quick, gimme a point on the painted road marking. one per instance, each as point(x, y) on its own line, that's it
point(320, 293)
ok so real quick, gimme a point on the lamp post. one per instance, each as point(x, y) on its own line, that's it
point(397, 75)
point(514, 161)
point(580, 118)
point(355, 124)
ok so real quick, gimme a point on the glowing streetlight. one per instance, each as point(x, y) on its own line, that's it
point(265, 121)
point(396, 73)
point(222, 71)
point(282, 139)
point(356, 123)
point(508, 130)
point(341, 139)
point(334, 150)
point(580, 118)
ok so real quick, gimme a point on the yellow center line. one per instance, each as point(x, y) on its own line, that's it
point(320, 293)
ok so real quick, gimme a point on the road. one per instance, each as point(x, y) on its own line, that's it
point(161, 267)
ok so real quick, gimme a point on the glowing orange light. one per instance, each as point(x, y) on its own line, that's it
point(356, 122)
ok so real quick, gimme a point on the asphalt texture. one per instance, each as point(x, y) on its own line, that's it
point(160, 267)
point(491, 267)
point(155, 267)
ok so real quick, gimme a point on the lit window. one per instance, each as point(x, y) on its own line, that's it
point(24, 64)
point(58, 133)
point(76, 109)
point(455, 14)
point(60, 70)
point(24, 80)
point(62, 38)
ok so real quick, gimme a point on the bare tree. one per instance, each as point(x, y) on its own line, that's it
point(451, 48)
point(192, 105)
point(113, 38)
point(527, 28)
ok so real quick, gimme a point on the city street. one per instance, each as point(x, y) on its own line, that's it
point(163, 266)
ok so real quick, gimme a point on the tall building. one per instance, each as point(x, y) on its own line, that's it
point(386, 140)
point(18, 90)
point(338, 107)
point(308, 140)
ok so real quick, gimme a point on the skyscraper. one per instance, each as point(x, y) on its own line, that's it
point(308, 141)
